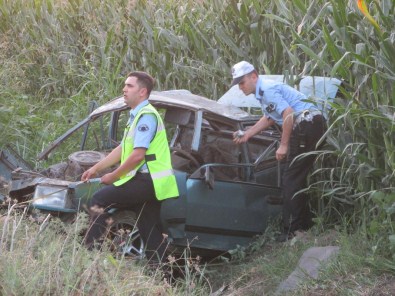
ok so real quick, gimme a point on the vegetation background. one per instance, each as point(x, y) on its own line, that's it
point(56, 56)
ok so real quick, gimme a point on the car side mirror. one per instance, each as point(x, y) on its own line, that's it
point(209, 177)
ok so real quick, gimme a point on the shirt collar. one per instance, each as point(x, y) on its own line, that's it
point(258, 92)
point(133, 112)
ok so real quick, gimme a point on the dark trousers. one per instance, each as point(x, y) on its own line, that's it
point(304, 138)
point(137, 195)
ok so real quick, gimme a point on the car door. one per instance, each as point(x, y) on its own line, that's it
point(229, 214)
point(229, 199)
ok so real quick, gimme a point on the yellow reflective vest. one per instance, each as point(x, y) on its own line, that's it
point(157, 157)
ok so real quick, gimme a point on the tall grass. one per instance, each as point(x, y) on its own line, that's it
point(58, 55)
point(40, 255)
point(48, 259)
point(362, 125)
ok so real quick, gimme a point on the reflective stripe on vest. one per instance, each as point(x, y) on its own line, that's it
point(162, 174)
point(157, 157)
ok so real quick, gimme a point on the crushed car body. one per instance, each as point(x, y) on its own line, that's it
point(226, 190)
point(228, 193)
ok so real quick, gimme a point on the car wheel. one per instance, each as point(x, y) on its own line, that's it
point(124, 235)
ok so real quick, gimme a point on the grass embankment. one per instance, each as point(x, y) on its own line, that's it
point(47, 258)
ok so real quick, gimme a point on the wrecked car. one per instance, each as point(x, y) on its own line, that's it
point(228, 193)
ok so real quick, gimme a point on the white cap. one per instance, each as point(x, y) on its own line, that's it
point(239, 70)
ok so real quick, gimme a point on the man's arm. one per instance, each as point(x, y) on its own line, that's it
point(130, 163)
point(113, 158)
point(145, 132)
point(288, 122)
point(261, 125)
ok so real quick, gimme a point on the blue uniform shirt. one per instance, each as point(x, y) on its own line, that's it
point(275, 97)
point(145, 128)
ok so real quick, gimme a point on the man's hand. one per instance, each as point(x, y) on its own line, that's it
point(287, 115)
point(259, 126)
point(109, 178)
point(88, 174)
point(281, 152)
point(111, 159)
point(240, 137)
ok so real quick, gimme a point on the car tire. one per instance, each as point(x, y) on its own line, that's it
point(124, 236)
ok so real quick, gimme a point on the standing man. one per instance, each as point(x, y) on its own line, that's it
point(302, 127)
point(144, 177)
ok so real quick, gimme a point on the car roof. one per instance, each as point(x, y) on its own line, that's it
point(183, 99)
point(179, 99)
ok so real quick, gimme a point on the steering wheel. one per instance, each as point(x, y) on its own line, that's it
point(186, 155)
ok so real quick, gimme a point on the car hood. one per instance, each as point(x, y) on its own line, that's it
point(179, 99)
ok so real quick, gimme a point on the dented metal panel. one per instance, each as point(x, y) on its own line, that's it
point(225, 212)
point(165, 99)
point(10, 161)
point(21, 187)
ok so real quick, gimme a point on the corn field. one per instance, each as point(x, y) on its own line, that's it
point(56, 56)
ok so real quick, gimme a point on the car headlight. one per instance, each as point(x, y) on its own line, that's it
point(51, 198)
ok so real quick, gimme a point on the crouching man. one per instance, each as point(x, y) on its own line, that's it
point(144, 177)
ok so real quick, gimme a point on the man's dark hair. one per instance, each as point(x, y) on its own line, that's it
point(143, 80)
